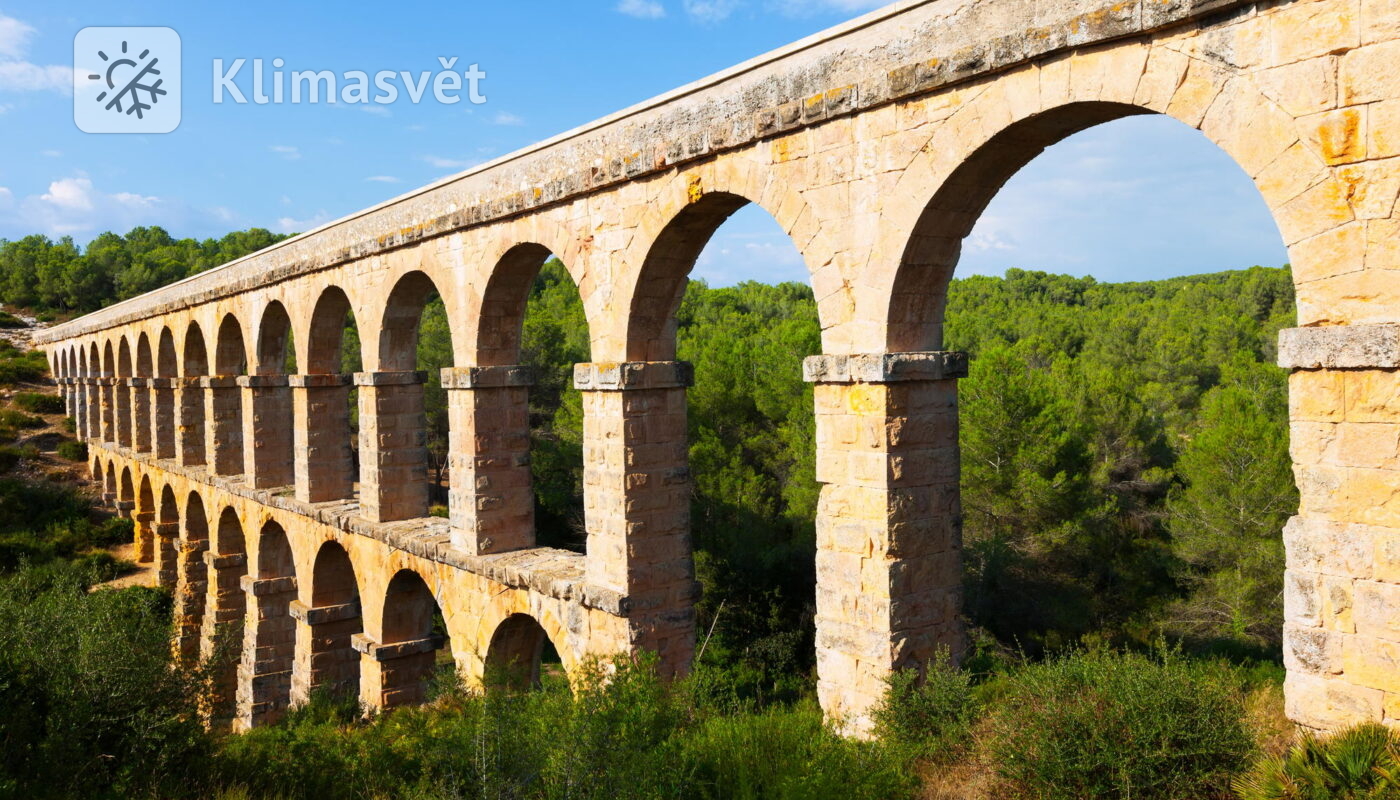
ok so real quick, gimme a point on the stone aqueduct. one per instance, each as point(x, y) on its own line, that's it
point(875, 146)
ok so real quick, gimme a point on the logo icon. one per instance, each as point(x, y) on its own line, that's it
point(126, 80)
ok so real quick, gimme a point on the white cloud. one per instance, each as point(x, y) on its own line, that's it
point(450, 163)
point(19, 75)
point(22, 76)
point(382, 179)
point(710, 10)
point(14, 37)
point(5, 107)
point(291, 225)
point(806, 8)
point(286, 151)
point(375, 110)
point(7, 198)
point(641, 9)
point(51, 153)
point(74, 205)
point(507, 118)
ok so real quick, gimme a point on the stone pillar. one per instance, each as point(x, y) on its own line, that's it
point(395, 675)
point(221, 641)
point(92, 414)
point(325, 655)
point(140, 414)
point(80, 408)
point(166, 542)
point(223, 416)
point(145, 536)
point(189, 423)
point(323, 465)
point(269, 649)
point(108, 408)
point(393, 460)
point(162, 422)
point(491, 502)
point(1341, 591)
point(125, 508)
point(191, 586)
point(267, 430)
point(889, 528)
point(121, 395)
point(637, 500)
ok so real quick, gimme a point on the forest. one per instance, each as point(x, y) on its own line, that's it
point(1125, 478)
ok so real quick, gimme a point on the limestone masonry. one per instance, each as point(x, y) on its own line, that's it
point(875, 145)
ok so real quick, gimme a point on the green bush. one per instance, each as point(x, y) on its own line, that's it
point(36, 403)
point(1361, 763)
point(8, 320)
point(10, 418)
point(92, 708)
point(1107, 725)
point(17, 366)
point(931, 712)
point(10, 456)
point(73, 451)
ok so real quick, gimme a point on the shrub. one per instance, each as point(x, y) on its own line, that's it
point(1106, 724)
point(37, 403)
point(1361, 763)
point(73, 451)
point(10, 418)
point(17, 366)
point(8, 320)
point(930, 712)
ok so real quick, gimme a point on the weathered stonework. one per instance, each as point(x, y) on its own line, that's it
point(875, 146)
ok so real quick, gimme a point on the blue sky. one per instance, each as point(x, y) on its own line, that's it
point(1140, 198)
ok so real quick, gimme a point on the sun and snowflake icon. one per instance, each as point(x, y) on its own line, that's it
point(145, 71)
point(136, 81)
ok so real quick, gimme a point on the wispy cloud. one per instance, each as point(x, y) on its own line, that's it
point(383, 179)
point(641, 9)
point(293, 225)
point(51, 153)
point(18, 74)
point(286, 151)
point(507, 118)
point(451, 163)
point(807, 8)
point(710, 10)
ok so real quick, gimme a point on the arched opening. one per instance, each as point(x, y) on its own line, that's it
point(325, 403)
point(145, 522)
point(326, 658)
point(519, 654)
point(531, 315)
point(92, 397)
point(122, 394)
point(192, 581)
point(413, 634)
point(269, 651)
point(403, 449)
point(269, 445)
point(141, 394)
point(224, 615)
point(126, 493)
point(109, 400)
point(1092, 426)
point(224, 400)
point(167, 540)
point(190, 430)
point(163, 419)
point(745, 432)
point(109, 485)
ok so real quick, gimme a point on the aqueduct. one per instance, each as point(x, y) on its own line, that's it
point(875, 146)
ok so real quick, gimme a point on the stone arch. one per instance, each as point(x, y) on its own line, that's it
point(502, 317)
point(410, 640)
point(224, 614)
point(196, 353)
point(224, 401)
point(269, 647)
point(166, 368)
point(325, 339)
point(167, 538)
point(144, 365)
point(121, 393)
point(141, 395)
point(514, 656)
point(145, 521)
point(167, 363)
point(274, 331)
point(962, 167)
point(109, 486)
point(399, 324)
point(192, 580)
point(230, 354)
point(326, 660)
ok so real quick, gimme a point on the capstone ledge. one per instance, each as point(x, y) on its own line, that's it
point(885, 367)
point(1340, 347)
